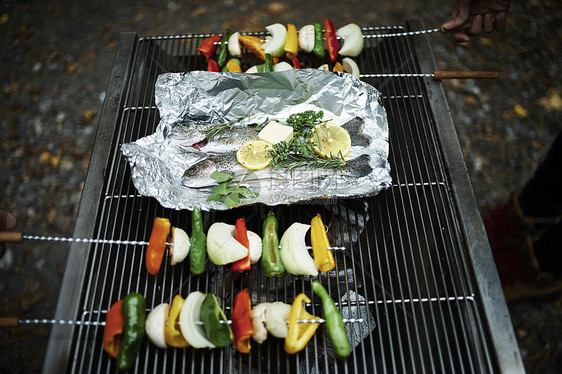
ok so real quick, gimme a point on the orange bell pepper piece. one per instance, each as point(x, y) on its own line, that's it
point(323, 257)
point(157, 244)
point(113, 330)
point(254, 44)
point(241, 322)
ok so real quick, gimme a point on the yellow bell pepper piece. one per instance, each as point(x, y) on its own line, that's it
point(292, 41)
point(299, 333)
point(172, 332)
point(323, 258)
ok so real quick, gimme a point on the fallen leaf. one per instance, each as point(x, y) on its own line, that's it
point(4, 18)
point(486, 41)
point(520, 111)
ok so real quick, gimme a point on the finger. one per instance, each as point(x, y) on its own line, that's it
point(499, 22)
point(476, 26)
point(7, 221)
point(488, 22)
point(460, 37)
point(459, 16)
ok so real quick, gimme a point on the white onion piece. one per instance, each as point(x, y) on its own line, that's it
point(276, 317)
point(190, 315)
point(222, 248)
point(156, 323)
point(294, 254)
point(180, 246)
point(256, 246)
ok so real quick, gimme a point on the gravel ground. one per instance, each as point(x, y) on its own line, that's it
point(55, 59)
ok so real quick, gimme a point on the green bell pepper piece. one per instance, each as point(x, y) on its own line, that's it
point(134, 317)
point(220, 334)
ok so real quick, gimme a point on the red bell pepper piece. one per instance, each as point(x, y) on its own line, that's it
point(296, 63)
point(241, 235)
point(241, 321)
point(209, 46)
point(113, 330)
point(331, 39)
point(157, 244)
point(212, 66)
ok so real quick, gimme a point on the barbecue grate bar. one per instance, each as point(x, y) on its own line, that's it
point(407, 271)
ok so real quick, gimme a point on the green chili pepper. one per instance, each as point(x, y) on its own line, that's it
point(198, 249)
point(268, 62)
point(133, 310)
point(224, 49)
point(271, 257)
point(318, 42)
point(334, 322)
point(220, 334)
point(261, 68)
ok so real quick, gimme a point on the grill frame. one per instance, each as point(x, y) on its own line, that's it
point(465, 221)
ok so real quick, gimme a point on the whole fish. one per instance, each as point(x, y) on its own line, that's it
point(199, 174)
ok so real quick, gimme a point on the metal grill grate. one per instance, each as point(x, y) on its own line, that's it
point(407, 269)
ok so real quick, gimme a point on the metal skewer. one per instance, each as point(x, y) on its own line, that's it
point(18, 237)
point(15, 321)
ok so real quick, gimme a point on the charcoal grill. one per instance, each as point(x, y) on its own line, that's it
point(417, 253)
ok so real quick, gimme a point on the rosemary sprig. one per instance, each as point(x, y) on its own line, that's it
point(216, 129)
point(297, 161)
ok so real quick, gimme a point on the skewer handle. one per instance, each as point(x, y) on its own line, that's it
point(437, 75)
point(9, 321)
point(11, 237)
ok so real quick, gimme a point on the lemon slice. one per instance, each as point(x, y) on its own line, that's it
point(253, 154)
point(330, 140)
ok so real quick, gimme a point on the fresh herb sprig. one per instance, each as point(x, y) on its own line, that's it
point(216, 129)
point(299, 151)
point(229, 189)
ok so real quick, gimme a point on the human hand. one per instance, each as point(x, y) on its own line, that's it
point(7, 222)
point(470, 17)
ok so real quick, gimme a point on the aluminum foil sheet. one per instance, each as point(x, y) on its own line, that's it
point(189, 102)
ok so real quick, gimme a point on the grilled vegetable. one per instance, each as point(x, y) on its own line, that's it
point(241, 321)
point(276, 317)
point(234, 45)
point(275, 45)
point(212, 66)
point(233, 66)
point(222, 248)
point(318, 49)
point(291, 47)
point(223, 54)
point(331, 39)
point(282, 66)
point(241, 236)
point(190, 316)
point(296, 63)
point(353, 41)
point(271, 257)
point(254, 44)
point(257, 314)
point(256, 246)
point(334, 322)
point(172, 332)
point(299, 333)
point(155, 325)
point(180, 246)
point(209, 46)
point(157, 244)
point(323, 258)
point(133, 309)
point(294, 254)
point(220, 334)
point(306, 38)
point(198, 250)
point(268, 63)
point(337, 67)
point(113, 330)
point(349, 66)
